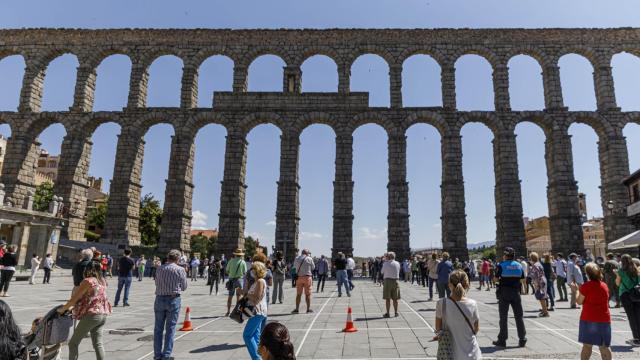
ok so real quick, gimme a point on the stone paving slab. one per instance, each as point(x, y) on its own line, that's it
point(318, 335)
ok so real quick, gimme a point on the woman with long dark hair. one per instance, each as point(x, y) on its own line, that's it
point(275, 343)
point(11, 343)
point(9, 262)
point(627, 278)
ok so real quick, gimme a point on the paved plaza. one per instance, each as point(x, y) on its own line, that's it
point(318, 335)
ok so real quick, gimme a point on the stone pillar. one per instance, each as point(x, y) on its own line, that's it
point(395, 85)
point(32, 87)
point(72, 183)
point(19, 168)
point(343, 197)
point(614, 168)
point(240, 73)
point(287, 210)
point(562, 194)
point(344, 78)
point(138, 86)
point(189, 88)
point(552, 87)
point(398, 193)
point(454, 222)
point(85, 89)
point(232, 195)
point(448, 79)
point(123, 208)
point(501, 88)
point(605, 90)
point(292, 80)
point(175, 232)
point(21, 234)
point(508, 195)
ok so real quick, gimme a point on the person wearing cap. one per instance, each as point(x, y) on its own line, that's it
point(304, 266)
point(574, 277)
point(236, 269)
point(509, 274)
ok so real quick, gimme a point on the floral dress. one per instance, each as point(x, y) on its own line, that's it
point(536, 272)
point(94, 301)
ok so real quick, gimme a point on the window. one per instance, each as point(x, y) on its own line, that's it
point(635, 193)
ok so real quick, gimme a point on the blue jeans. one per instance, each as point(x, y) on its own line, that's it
point(167, 310)
point(443, 290)
point(341, 276)
point(551, 291)
point(126, 282)
point(431, 282)
point(251, 335)
point(349, 278)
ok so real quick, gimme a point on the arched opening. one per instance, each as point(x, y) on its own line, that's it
point(165, 82)
point(421, 84)
point(214, 74)
point(370, 73)
point(263, 172)
point(370, 201)
point(474, 83)
point(626, 76)
point(424, 174)
point(155, 169)
point(632, 134)
point(101, 165)
point(479, 184)
point(112, 83)
point(59, 83)
point(266, 73)
point(526, 89)
point(5, 134)
point(208, 169)
point(11, 73)
point(319, 74)
point(576, 77)
point(317, 172)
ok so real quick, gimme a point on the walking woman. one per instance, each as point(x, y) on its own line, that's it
point(550, 275)
point(257, 297)
point(459, 315)
point(142, 263)
point(91, 308)
point(595, 319)
point(9, 262)
point(628, 277)
point(539, 283)
point(11, 344)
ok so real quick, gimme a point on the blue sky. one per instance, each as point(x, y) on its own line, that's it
point(420, 87)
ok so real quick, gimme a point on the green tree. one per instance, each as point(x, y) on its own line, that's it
point(150, 219)
point(43, 196)
point(489, 253)
point(250, 246)
point(203, 245)
point(97, 215)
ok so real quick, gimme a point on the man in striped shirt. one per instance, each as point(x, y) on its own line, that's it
point(171, 281)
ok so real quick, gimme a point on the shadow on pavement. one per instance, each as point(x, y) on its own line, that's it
point(218, 347)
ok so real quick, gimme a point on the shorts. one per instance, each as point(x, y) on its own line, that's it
point(304, 283)
point(594, 333)
point(390, 289)
point(235, 284)
point(485, 278)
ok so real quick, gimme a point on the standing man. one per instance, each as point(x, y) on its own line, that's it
point(279, 271)
point(322, 269)
point(574, 276)
point(351, 266)
point(125, 275)
point(422, 265)
point(509, 274)
point(560, 266)
point(391, 286)
point(341, 274)
point(432, 268)
point(171, 281)
point(47, 266)
point(445, 267)
point(236, 268)
point(304, 269)
point(406, 270)
point(109, 265)
point(415, 275)
point(610, 270)
point(78, 269)
point(35, 265)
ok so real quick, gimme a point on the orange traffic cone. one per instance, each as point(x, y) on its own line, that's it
point(186, 326)
point(349, 327)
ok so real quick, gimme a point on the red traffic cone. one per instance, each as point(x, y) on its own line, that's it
point(186, 326)
point(349, 327)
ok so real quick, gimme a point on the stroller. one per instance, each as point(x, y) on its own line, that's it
point(47, 335)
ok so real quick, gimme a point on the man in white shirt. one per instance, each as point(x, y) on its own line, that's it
point(391, 286)
point(524, 288)
point(432, 265)
point(35, 265)
point(560, 266)
point(574, 276)
point(304, 271)
point(351, 266)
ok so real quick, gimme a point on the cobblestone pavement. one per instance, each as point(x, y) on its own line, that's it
point(318, 335)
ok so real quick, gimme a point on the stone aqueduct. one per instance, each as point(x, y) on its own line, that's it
point(239, 111)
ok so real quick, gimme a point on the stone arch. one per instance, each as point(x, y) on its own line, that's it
point(374, 118)
point(7, 51)
point(586, 52)
point(202, 55)
point(373, 50)
point(313, 118)
point(149, 57)
point(426, 117)
point(488, 54)
point(488, 119)
point(326, 73)
point(13, 64)
point(599, 124)
point(537, 54)
point(93, 60)
point(196, 122)
point(312, 51)
point(89, 123)
point(436, 54)
point(252, 55)
point(144, 123)
point(251, 121)
point(539, 119)
point(35, 125)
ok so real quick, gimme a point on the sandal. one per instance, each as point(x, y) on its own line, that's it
point(386, 316)
point(295, 311)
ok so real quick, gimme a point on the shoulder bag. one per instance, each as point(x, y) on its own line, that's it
point(445, 339)
point(229, 284)
point(298, 269)
point(473, 330)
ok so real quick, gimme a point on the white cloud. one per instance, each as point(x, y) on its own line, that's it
point(369, 233)
point(199, 220)
point(271, 223)
point(309, 235)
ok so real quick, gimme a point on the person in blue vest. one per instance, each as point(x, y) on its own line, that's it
point(508, 275)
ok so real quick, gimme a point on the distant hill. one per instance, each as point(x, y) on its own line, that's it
point(479, 245)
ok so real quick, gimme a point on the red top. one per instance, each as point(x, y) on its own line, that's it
point(596, 302)
point(485, 267)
